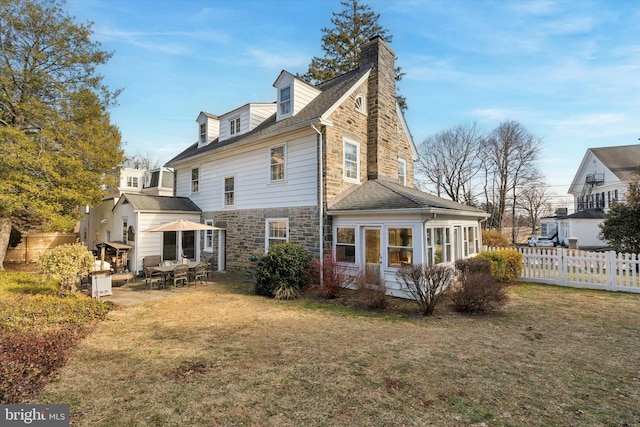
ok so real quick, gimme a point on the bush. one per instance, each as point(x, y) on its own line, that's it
point(478, 293)
point(371, 290)
point(495, 239)
point(281, 272)
point(335, 277)
point(473, 265)
point(506, 265)
point(426, 284)
point(66, 263)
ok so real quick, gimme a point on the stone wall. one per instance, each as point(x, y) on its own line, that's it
point(245, 233)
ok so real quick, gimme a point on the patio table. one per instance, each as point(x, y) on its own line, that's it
point(166, 270)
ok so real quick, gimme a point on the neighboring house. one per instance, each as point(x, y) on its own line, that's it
point(601, 179)
point(329, 167)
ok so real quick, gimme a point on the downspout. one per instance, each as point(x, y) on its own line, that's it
point(321, 202)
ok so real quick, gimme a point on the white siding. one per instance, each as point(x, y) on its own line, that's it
point(259, 113)
point(150, 243)
point(250, 167)
point(303, 95)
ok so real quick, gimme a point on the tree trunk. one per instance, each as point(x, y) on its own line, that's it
point(5, 234)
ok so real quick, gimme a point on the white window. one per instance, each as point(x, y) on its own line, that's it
point(346, 244)
point(195, 179)
point(474, 240)
point(359, 104)
point(351, 162)
point(400, 246)
point(208, 236)
point(203, 133)
point(438, 245)
point(229, 191)
point(125, 227)
point(402, 172)
point(285, 100)
point(132, 181)
point(277, 159)
point(234, 126)
point(277, 232)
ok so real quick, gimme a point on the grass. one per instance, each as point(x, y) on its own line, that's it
point(221, 356)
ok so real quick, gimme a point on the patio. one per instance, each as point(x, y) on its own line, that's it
point(134, 292)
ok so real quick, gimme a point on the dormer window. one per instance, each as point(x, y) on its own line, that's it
point(285, 101)
point(359, 104)
point(203, 133)
point(234, 126)
point(132, 181)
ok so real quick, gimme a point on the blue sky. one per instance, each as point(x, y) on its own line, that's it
point(569, 71)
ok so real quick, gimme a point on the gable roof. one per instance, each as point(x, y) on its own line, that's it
point(623, 160)
point(144, 203)
point(381, 195)
point(331, 92)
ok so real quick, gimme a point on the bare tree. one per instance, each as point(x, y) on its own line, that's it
point(510, 153)
point(141, 161)
point(533, 199)
point(450, 161)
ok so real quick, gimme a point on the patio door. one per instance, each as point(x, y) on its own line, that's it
point(169, 245)
point(372, 254)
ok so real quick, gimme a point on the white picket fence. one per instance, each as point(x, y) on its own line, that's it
point(609, 271)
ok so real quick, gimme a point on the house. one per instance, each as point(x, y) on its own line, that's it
point(602, 179)
point(329, 167)
point(143, 199)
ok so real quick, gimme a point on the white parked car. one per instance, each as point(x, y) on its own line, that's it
point(541, 242)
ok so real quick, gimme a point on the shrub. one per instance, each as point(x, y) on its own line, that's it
point(478, 292)
point(66, 263)
point(335, 277)
point(506, 264)
point(495, 239)
point(281, 272)
point(426, 284)
point(371, 290)
point(473, 265)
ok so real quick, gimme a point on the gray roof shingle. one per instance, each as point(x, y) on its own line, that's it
point(141, 202)
point(387, 195)
point(623, 160)
point(331, 91)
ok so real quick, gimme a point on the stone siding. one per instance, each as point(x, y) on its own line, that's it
point(380, 132)
point(245, 233)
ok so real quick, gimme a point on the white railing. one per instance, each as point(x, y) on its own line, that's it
point(609, 271)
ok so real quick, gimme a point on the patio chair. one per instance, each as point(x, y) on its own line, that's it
point(151, 277)
point(201, 272)
point(181, 275)
point(151, 261)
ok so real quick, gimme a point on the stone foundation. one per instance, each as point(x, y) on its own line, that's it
point(245, 235)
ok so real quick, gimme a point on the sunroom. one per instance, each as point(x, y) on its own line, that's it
point(382, 225)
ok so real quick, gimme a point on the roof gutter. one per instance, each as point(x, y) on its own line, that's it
point(420, 211)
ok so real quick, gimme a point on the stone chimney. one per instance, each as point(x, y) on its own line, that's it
point(382, 152)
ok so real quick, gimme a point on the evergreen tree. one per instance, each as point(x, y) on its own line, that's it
point(353, 26)
point(57, 144)
point(621, 229)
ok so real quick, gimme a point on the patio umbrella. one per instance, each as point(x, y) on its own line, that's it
point(183, 225)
